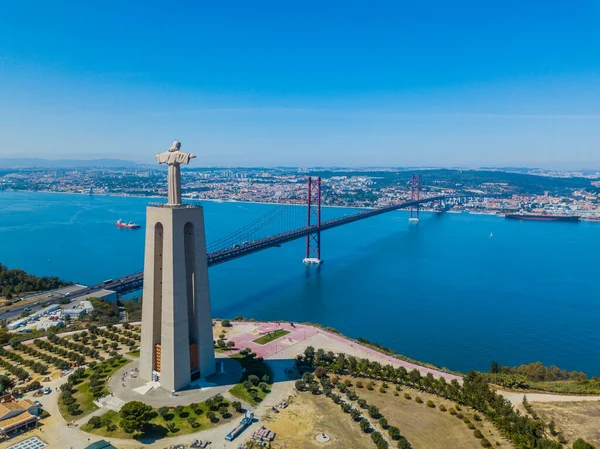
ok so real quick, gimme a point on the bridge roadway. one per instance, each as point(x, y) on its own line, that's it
point(134, 282)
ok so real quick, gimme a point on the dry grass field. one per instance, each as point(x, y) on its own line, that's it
point(309, 415)
point(574, 419)
point(425, 427)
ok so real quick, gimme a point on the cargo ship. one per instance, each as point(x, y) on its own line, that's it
point(543, 217)
point(128, 225)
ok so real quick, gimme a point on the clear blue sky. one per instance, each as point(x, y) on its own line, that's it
point(304, 83)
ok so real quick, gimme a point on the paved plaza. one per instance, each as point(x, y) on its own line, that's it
point(127, 388)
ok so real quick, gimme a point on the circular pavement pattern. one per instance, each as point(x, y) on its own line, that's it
point(322, 438)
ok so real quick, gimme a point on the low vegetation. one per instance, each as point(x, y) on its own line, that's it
point(270, 336)
point(15, 282)
point(535, 376)
point(83, 386)
point(256, 380)
point(522, 431)
point(138, 420)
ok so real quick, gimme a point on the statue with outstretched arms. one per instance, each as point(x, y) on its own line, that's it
point(174, 158)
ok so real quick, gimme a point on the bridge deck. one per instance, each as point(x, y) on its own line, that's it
point(134, 281)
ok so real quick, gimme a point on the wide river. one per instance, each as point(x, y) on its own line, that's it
point(442, 291)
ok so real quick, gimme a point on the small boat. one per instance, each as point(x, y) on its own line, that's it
point(491, 235)
point(127, 225)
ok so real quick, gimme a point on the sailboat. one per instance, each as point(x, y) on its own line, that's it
point(491, 235)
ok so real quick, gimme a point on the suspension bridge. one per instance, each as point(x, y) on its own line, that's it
point(258, 235)
point(281, 225)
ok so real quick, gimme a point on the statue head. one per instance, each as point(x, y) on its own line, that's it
point(176, 146)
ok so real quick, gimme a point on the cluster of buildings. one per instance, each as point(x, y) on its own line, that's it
point(17, 414)
point(59, 315)
point(340, 187)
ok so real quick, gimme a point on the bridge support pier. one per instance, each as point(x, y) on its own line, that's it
point(415, 195)
point(313, 241)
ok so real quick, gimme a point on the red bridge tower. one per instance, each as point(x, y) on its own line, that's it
point(313, 241)
point(415, 195)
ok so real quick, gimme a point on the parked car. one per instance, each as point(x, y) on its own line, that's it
point(48, 390)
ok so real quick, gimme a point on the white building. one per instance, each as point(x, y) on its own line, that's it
point(74, 313)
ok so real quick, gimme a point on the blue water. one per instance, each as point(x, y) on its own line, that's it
point(442, 291)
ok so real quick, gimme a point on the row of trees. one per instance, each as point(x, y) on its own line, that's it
point(17, 371)
point(53, 360)
point(326, 386)
point(74, 346)
point(72, 356)
point(114, 336)
point(36, 366)
point(522, 431)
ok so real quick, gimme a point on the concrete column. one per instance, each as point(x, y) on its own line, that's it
point(182, 316)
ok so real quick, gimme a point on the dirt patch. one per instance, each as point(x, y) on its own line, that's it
point(574, 419)
point(308, 416)
point(426, 427)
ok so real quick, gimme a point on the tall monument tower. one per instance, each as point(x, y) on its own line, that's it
point(177, 341)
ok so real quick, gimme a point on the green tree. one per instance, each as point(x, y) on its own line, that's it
point(364, 425)
point(6, 383)
point(164, 412)
point(237, 406)
point(135, 415)
point(95, 422)
point(582, 444)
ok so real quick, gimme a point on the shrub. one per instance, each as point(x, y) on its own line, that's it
point(359, 384)
point(459, 415)
point(225, 323)
point(394, 432)
point(364, 425)
point(95, 422)
point(442, 408)
point(163, 411)
point(355, 414)
point(179, 410)
point(485, 443)
point(418, 400)
point(320, 372)
point(237, 406)
point(477, 433)
point(383, 422)
point(370, 386)
point(382, 390)
point(211, 416)
point(452, 411)
point(430, 404)
point(582, 444)
point(471, 426)
point(407, 396)
point(373, 411)
point(476, 417)
point(466, 420)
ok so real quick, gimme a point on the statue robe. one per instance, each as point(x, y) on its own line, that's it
point(174, 159)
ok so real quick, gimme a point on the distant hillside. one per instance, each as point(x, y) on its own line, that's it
point(64, 163)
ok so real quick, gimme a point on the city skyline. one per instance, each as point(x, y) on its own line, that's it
point(333, 85)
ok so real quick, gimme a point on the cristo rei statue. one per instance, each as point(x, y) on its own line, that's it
point(174, 158)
